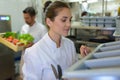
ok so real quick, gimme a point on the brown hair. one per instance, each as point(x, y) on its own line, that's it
point(30, 10)
point(47, 3)
point(54, 8)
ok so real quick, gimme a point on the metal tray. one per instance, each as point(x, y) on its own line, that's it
point(101, 64)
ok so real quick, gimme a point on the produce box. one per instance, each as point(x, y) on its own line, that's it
point(15, 47)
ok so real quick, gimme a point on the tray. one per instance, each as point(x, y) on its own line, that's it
point(15, 48)
point(101, 64)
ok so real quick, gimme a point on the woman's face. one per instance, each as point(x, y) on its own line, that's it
point(62, 22)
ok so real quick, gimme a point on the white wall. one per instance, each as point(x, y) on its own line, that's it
point(112, 6)
point(14, 8)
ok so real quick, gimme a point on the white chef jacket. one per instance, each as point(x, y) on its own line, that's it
point(37, 30)
point(39, 57)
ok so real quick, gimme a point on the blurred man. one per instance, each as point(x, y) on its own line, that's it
point(37, 30)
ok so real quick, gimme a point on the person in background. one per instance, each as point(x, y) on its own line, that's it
point(54, 48)
point(37, 30)
point(84, 13)
point(32, 27)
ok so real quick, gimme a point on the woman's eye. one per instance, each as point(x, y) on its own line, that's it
point(63, 20)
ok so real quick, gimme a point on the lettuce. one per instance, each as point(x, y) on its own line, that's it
point(26, 38)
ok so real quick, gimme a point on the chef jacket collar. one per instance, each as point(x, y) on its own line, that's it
point(51, 42)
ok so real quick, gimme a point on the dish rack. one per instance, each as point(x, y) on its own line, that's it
point(101, 64)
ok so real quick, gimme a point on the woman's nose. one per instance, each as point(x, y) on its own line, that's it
point(68, 24)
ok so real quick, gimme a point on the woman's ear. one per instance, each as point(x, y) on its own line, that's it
point(48, 22)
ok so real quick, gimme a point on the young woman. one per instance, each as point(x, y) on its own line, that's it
point(53, 48)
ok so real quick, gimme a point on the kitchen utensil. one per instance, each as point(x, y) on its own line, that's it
point(59, 72)
point(55, 71)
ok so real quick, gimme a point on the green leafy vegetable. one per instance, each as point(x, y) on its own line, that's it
point(7, 34)
point(26, 38)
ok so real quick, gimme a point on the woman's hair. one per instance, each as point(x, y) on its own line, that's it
point(30, 10)
point(54, 8)
point(47, 3)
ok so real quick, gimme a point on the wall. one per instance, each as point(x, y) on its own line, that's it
point(112, 7)
point(76, 10)
point(43, 1)
point(14, 8)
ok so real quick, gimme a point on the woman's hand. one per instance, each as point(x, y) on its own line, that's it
point(84, 50)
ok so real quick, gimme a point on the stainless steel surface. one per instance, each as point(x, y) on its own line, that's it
point(117, 31)
point(5, 23)
point(98, 78)
point(117, 26)
point(98, 65)
point(7, 68)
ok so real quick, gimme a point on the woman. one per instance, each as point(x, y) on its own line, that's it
point(53, 48)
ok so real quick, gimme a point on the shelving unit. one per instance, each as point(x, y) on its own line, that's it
point(99, 21)
point(85, 30)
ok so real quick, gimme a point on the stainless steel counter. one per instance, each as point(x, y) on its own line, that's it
point(7, 67)
point(101, 64)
